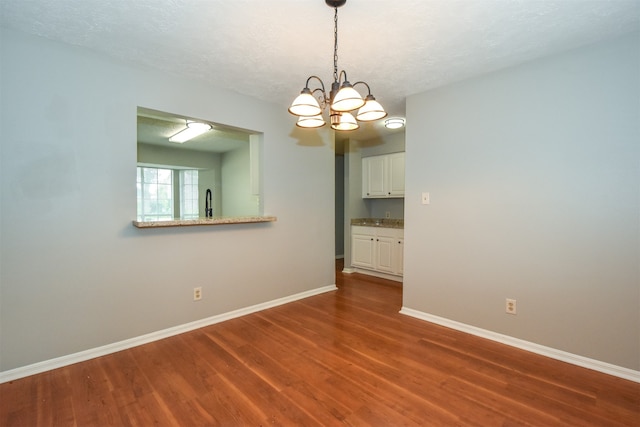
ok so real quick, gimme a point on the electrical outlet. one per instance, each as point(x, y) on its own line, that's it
point(387, 214)
point(197, 294)
point(511, 306)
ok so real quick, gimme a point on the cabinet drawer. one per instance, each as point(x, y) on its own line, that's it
point(393, 233)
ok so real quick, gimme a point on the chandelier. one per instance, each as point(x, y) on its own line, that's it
point(342, 100)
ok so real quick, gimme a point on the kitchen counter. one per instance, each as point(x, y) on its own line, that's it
point(204, 221)
point(379, 222)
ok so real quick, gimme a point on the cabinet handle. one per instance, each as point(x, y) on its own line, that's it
point(377, 240)
point(372, 239)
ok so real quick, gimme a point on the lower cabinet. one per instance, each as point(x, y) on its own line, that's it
point(377, 249)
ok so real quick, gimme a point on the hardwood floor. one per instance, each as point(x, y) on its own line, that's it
point(340, 358)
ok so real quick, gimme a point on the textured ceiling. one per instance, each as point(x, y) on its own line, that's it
point(268, 49)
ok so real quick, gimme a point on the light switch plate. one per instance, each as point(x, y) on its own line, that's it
point(425, 199)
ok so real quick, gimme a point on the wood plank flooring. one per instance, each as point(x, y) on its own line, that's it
point(341, 358)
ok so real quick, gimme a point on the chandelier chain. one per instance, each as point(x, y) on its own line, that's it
point(335, 45)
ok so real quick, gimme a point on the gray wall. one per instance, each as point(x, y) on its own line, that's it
point(74, 273)
point(156, 155)
point(393, 142)
point(339, 205)
point(534, 179)
point(236, 196)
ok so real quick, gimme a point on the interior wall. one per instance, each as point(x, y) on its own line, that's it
point(236, 196)
point(339, 205)
point(165, 156)
point(378, 208)
point(392, 142)
point(74, 272)
point(534, 179)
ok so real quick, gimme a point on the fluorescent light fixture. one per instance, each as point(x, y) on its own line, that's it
point(192, 130)
point(394, 123)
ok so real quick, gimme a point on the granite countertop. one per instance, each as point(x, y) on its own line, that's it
point(378, 222)
point(204, 221)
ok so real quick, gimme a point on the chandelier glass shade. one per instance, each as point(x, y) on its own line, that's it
point(305, 104)
point(347, 99)
point(371, 110)
point(311, 121)
point(342, 100)
point(343, 121)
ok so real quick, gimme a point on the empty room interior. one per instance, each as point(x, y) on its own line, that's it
point(320, 213)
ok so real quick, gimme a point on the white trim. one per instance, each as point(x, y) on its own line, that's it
point(82, 356)
point(380, 274)
point(348, 270)
point(574, 359)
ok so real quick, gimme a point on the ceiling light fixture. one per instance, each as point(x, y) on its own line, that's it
point(394, 123)
point(342, 100)
point(192, 130)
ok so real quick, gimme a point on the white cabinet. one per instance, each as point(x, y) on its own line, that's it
point(383, 176)
point(373, 176)
point(395, 174)
point(377, 249)
point(362, 249)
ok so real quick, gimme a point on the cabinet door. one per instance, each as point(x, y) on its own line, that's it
point(362, 250)
point(395, 175)
point(399, 267)
point(384, 254)
point(373, 177)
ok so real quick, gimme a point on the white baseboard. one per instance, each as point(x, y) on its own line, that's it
point(82, 356)
point(378, 274)
point(574, 359)
point(351, 270)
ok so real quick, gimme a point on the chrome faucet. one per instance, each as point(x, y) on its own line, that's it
point(208, 209)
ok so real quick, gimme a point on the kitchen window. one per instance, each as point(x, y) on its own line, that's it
point(164, 194)
point(189, 194)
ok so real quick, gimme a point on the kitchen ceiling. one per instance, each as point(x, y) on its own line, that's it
point(156, 127)
point(268, 49)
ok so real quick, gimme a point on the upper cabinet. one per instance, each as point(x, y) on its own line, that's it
point(383, 176)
